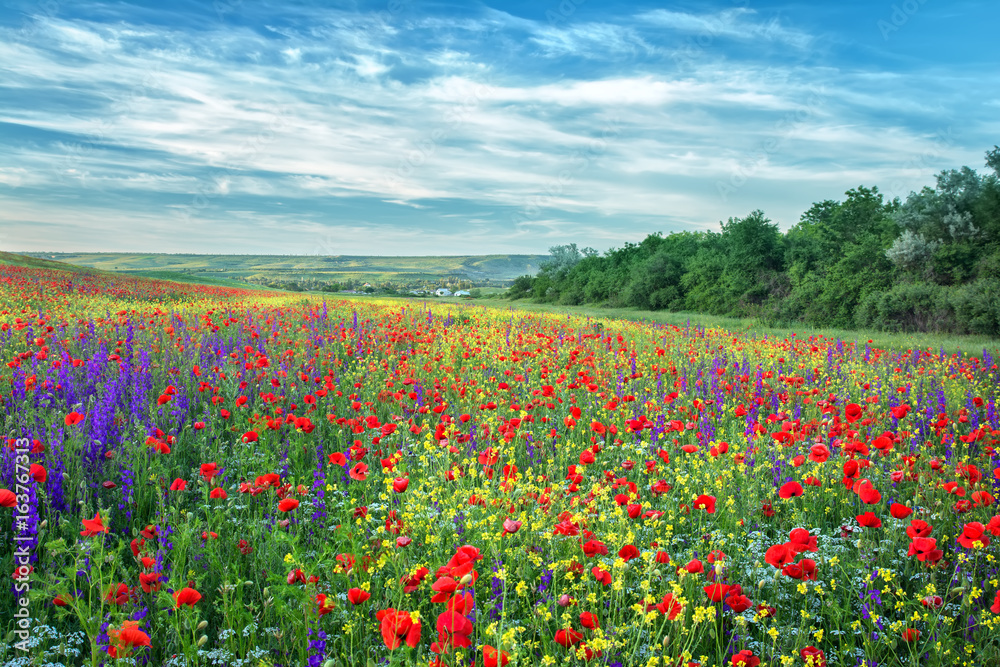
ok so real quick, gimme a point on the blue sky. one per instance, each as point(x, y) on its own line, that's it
point(404, 127)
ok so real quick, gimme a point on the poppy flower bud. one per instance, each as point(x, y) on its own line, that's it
point(202, 625)
point(564, 600)
point(465, 579)
point(202, 640)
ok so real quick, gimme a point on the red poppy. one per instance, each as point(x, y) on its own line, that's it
point(995, 608)
point(600, 575)
point(706, 503)
point(669, 607)
point(288, 505)
point(73, 418)
point(209, 471)
point(738, 603)
point(122, 640)
point(790, 489)
point(359, 472)
point(186, 596)
point(868, 493)
point(323, 606)
point(813, 657)
point(695, 566)
point(178, 485)
point(453, 631)
point(852, 412)
point(400, 483)
point(780, 555)
point(150, 582)
point(494, 658)
point(356, 596)
point(567, 637)
point(819, 453)
point(589, 620)
point(38, 472)
point(93, 526)
point(745, 658)
point(628, 552)
point(910, 635)
point(398, 627)
point(919, 528)
point(510, 526)
point(973, 534)
point(899, 511)
point(869, 520)
point(412, 582)
point(8, 498)
point(716, 592)
point(925, 549)
point(118, 594)
point(338, 459)
point(218, 492)
point(802, 540)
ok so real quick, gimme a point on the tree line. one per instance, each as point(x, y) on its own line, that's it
point(929, 263)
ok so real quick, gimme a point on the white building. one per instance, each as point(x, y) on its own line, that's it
point(442, 291)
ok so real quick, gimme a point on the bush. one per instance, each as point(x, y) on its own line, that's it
point(962, 309)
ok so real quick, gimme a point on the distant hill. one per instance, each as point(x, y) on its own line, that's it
point(479, 269)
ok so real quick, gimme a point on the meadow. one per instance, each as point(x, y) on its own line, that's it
point(206, 475)
point(308, 270)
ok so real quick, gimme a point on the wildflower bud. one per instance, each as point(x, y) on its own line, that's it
point(190, 516)
point(248, 583)
point(330, 663)
point(465, 579)
point(202, 640)
point(267, 592)
point(202, 625)
point(43, 524)
point(564, 600)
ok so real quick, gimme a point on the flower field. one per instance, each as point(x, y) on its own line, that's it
point(224, 477)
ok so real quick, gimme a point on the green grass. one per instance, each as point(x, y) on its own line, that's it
point(12, 259)
point(889, 341)
point(304, 267)
point(190, 278)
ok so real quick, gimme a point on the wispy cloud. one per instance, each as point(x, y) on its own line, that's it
point(272, 131)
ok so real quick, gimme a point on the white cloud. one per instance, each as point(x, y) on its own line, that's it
point(352, 107)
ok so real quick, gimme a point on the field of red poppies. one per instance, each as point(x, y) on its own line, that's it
point(206, 476)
